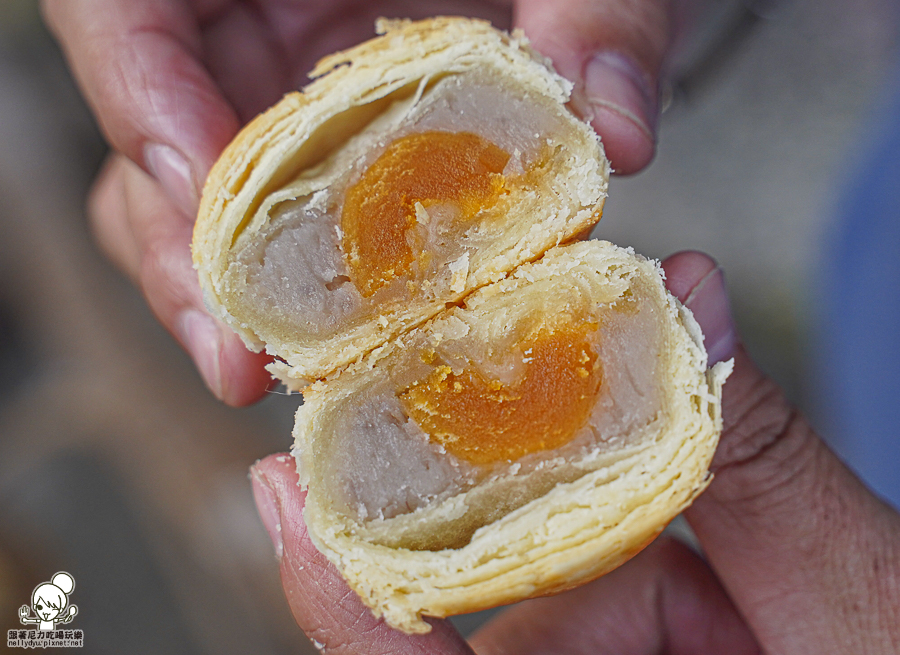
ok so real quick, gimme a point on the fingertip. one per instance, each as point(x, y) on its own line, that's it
point(176, 176)
point(685, 269)
point(612, 52)
point(279, 474)
point(280, 502)
point(280, 467)
point(202, 337)
point(268, 506)
point(164, 270)
point(244, 378)
point(107, 189)
point(623, 109)
point(234, 374)
point(699, 283)
point(324, 606)
point(107, 214)
point(629, 146)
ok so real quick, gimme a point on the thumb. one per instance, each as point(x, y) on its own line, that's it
point(613, 52)
point(139, 67)
point(809, 556)
point(325, 608)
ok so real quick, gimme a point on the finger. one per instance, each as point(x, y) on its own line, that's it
point(809, 556)
point(613, 52)
point(330, 614)
point(108, 217)
point(664, 600)
point(138, 64)
point(240, 45)
point(698, 281)
point(166, 275)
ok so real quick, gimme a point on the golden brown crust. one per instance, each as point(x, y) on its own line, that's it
point(582, 527)
point(352, 88)
point(576, 532)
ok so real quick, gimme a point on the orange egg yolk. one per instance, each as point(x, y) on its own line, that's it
point(483, 421)
point(427, 168)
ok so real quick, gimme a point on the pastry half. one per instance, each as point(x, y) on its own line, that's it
point(418, 167)
point(528, 440)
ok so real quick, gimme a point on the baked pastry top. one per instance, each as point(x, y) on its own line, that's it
point(491, 412)
point(417, 167)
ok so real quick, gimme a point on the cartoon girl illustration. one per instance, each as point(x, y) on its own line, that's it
point(49, 601)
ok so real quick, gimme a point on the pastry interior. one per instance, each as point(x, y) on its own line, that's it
point(531, 382)
point(489, 414)
point(436, 189)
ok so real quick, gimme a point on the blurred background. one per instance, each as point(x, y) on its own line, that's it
point(117, 465)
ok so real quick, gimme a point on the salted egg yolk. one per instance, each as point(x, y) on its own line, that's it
point(427, 168)
point(483, 421)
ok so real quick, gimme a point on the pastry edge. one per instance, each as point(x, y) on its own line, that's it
point(394, 582)
point(438, 45)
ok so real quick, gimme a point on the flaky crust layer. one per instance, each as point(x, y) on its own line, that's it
point(350, 90)
point(579, 529)
point(576, 532)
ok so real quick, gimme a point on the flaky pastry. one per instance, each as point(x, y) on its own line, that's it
point(491, 412)
point(418, 166)
point(523, 444)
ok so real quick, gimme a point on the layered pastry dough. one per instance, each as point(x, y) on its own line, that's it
point(494, 415)
point(423, 165)
point(524, 443)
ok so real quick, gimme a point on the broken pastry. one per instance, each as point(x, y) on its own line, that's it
point(525, 442)
point(489, 414)
point(416, 168)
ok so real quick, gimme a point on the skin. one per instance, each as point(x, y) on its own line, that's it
point(799, 556)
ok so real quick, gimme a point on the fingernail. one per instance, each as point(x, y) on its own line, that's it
point(710, 305)
point(203, 340)
point(269, 512)
point(615, 83)
point(174, 173)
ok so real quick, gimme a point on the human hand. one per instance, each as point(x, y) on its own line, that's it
point(800, 557)
point(171, 82)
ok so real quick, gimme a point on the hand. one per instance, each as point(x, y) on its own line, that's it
point(171, 82)
point(23, 612)
point(801, 558)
